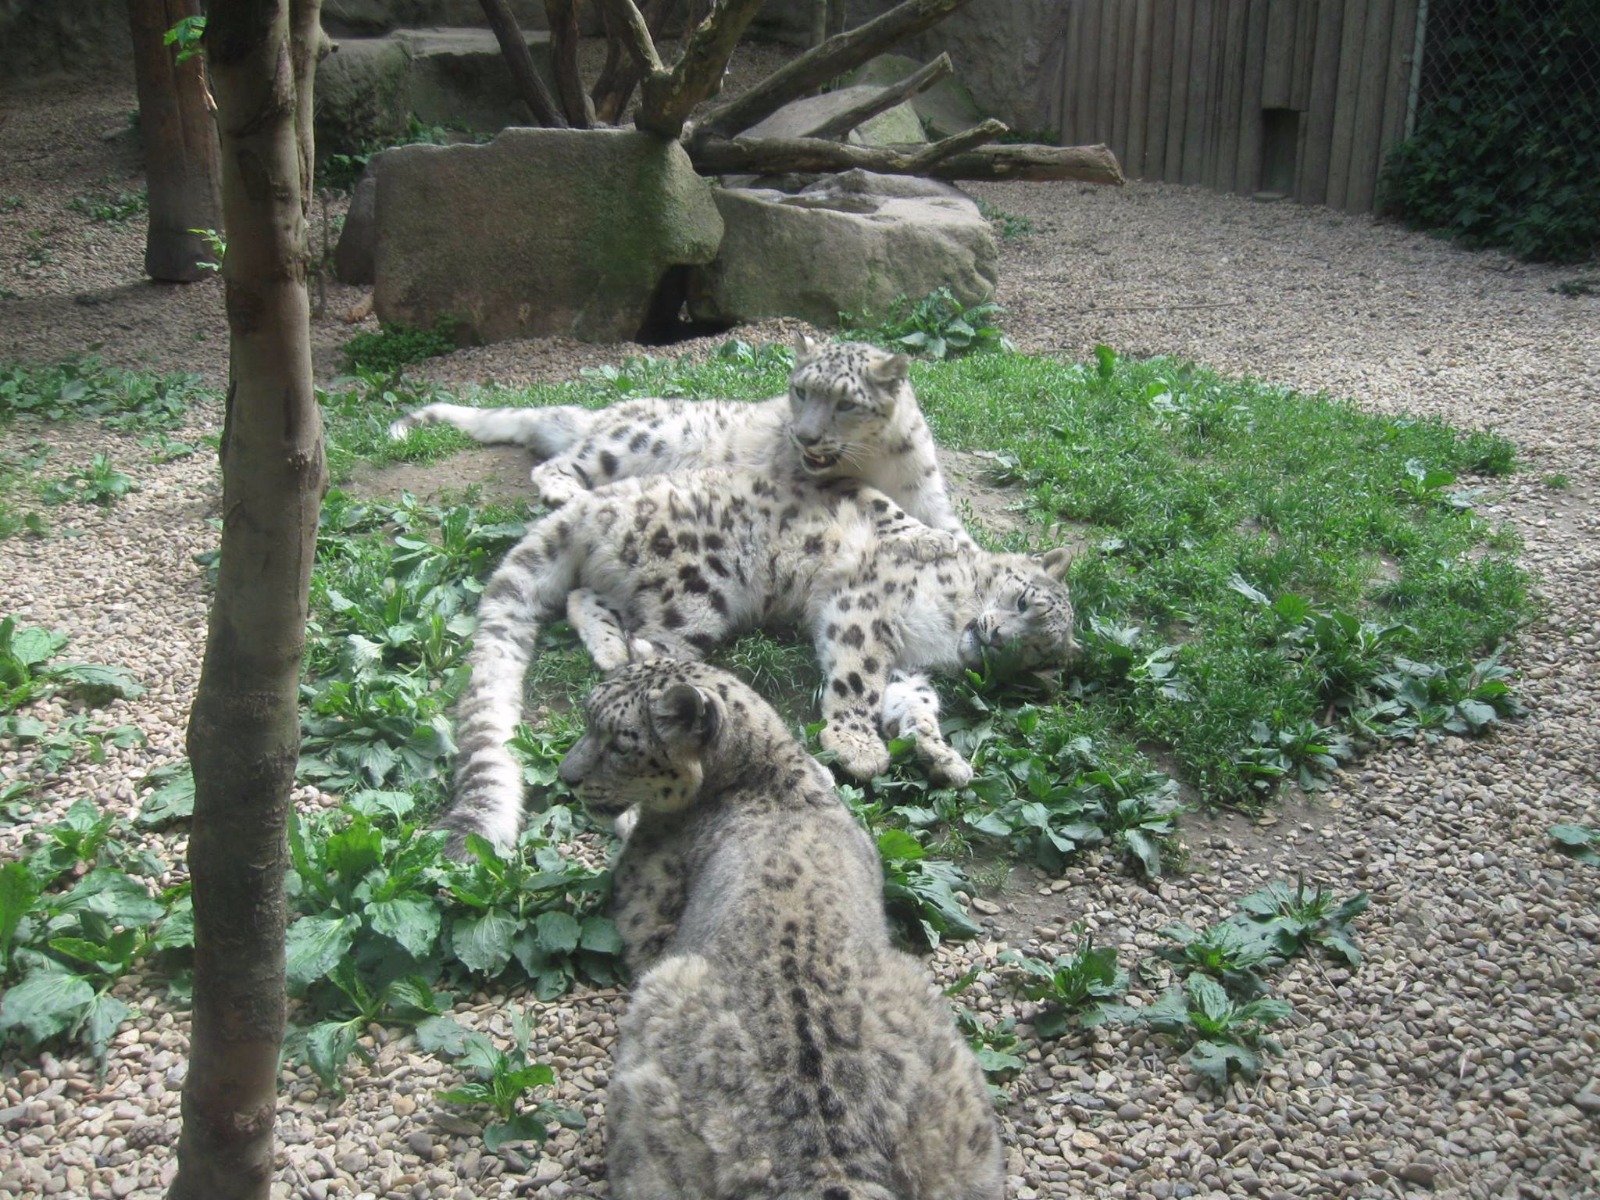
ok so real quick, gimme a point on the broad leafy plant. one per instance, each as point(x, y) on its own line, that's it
point(1075, 989)
point(1223, 1037)
point(506, 1081)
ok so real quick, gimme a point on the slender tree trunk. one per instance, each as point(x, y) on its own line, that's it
point(244, 731)
point(564, 33)
point(180, 144)
point(520, 63)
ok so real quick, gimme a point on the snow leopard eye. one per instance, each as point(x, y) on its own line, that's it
point(800, 394)
point(1022, 602)
point(844, 406)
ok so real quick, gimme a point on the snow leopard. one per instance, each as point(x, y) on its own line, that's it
point(776, 1043)
point(849, 412)
point(676, 565)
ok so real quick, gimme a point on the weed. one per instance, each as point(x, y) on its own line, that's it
point(1558, 482)
point(397, 346)
point(11, 204)
point(113, 209)
point(83, 388)
point(99, 483)
point(1076, 989)
point(1231, 952)
point(186, 35)
point(26, 672)
point(505, 1081)
point(992, 1044)
point(216, 244)
point(1222, 1036)
point(1011, 226)
point(1294, 920)
point(938, 326)
point(1580, 841)
point(1587, 285)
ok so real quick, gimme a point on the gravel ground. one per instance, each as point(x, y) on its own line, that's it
point(1460, 1058)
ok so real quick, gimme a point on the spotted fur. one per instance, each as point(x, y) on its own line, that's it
point(676, 565)
point(776, 1044)
point(849, 413)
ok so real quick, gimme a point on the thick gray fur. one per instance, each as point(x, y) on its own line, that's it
point(776, 1045)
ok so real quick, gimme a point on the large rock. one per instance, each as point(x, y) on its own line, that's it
point(945, 108)
point(46, 37)
point(369, 89)
point(539, 232)
point(800, 118)
point(832, 250)
point(354, 256)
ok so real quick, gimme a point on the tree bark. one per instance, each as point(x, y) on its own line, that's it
point(817, 66)
point(564, 33)
point(628, 30)
point(180, 144)
point(514, 49)
point(773, 156)
point(666, 100)
point(244, 732)
point(918, 81)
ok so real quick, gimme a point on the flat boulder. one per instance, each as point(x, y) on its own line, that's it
point(834, 249)
point(798, 118)
point(540, 232)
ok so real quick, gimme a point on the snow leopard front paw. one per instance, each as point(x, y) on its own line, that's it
point(859, 755)
point(925, 545)
point(552, 487)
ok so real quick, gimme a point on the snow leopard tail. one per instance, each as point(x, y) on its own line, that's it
point(530, 586)
point(545, 431)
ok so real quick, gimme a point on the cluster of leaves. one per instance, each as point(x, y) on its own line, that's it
point(28, 673)
point(392, 596)
point(99, 483)
point(383, 914)
point(1580, 841)
point(83, 388)
point(1506, 152)
point(994, 1044)
point(505, 1079)
point(1011, 225)
point(1077, 989)
point(938, 326)
point(114, 208)
point(396, 346)
point(76, 915)
point(342, 170)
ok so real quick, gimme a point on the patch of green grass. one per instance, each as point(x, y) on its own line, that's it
point(397, 346)
point(85, 389)
point(1010, 225)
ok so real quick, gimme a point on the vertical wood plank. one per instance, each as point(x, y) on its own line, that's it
point(1367, 129)
point(1344, 106)
point(1226, 140)
point(1196, 128)
point(1278, 69)
point(1122, 77)
point(1305, 45)
point(1401, 47)
point(1066, 86)
point(1162, 17)
point(1247, 175)
point(1088, 59)
point(1105, 88)
point(1139, 88)
point(1322, 100)
point(1178, 99)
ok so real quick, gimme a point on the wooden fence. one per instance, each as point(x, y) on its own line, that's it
point(1297, 97)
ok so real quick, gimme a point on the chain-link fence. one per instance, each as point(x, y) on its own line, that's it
point(1504, 126)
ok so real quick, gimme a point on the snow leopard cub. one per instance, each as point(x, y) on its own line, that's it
point(849, 412)
point(776, 1043)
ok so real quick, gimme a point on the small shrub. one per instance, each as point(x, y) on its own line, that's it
point(397, 346)
point(937, 326)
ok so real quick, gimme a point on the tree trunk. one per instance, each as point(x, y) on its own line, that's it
point(666, 100)
point(520, 63)
point(775, 156)
point(180, 144)
point(623, 69)
point(244, 732)
point(564, 33)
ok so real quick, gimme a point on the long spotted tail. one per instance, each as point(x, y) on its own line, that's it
point(545, 431)
point(529, 586)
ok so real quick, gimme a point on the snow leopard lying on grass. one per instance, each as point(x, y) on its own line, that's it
point(776, 1043)
point(676, 565)
point(849, 412)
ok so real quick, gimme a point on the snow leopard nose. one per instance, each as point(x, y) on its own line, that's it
point(807, 439)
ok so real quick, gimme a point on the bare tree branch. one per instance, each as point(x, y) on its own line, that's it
point(666, 101)
point(626, 25)
point(816, 67)
point(515, 49)
point(622, 71)
point(925, 159)
point(895, 93)
point(760, 156)
point(563, 18)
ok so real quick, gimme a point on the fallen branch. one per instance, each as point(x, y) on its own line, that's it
point(816, 67)
point(515, 50)
point(765, 156)
point(920, 81)
point(924, 160)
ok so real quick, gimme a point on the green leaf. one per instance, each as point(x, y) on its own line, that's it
point(896, 845)
point(558, 932)
point(522, 1128)
point(17, 895)
point(600, 935)
point(31, 647)
point(329, 1046)
point(483, 944)
point(411, 997)
point(109, 893)
point(104, 1017)
point(315, 945)
point(172, 800)
point(1213, 1060)
point(98, 682)
point(177, 931)
point(45, 1004)
point(441, 1035)
point(410, 920)
point(1146, 849)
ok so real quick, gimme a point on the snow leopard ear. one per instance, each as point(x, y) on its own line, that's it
point(891, 370)
point(1054, 563)
point(805, 349)
point(683, 713)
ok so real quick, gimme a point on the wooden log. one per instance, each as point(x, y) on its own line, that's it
point(630, 52)
point(1140, 50)
point(1398, 88)
point(759, 156)
point(1122, 78)
point(1323, 101)
point(1226, 138)
point(1344, 106)
point(1162, 21)
point(1366, 140)
point(1252, 130)
point(817, 66)
point(1105, 76)
point(1088, 67)
point(1196, 120)
point(917, 82)
point(1178, 101)
point(520, 62)
point(627, 26)
point(1277, 68)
